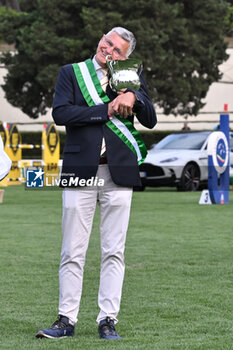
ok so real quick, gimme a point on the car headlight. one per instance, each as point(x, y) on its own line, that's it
point(169, 160)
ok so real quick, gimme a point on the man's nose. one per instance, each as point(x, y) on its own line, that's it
point(110, 50)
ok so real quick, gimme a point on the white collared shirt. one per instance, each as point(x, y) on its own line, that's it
point(100, 71)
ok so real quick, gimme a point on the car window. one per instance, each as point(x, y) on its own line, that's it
point(183, 141)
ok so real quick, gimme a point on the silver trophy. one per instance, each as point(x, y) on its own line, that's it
point(124, 74)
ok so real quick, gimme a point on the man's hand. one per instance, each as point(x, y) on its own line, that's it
point(122, 104)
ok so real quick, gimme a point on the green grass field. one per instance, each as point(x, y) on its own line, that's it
point(178, 290)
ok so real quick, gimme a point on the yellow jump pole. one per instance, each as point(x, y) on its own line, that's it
point(25, 146)
point(15, 154)
point(50, 153)
point(5, 138)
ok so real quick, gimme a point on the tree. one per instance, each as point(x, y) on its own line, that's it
point(180, 41)
point(14, 4)
point(228, 21)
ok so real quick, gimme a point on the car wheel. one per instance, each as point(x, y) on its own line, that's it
point(190, 178)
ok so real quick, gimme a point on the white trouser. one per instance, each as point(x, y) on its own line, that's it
point(79, 206)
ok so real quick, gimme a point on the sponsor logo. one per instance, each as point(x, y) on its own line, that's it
point(219, 151)
point(35, 178)
point(38, 179)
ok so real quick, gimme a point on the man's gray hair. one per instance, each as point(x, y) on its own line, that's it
point(126, 35)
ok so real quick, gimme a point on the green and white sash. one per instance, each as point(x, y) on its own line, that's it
point(94, 95)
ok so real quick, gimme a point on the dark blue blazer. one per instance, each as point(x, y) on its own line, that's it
point(85, 128)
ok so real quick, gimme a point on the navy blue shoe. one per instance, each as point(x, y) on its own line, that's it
point(59, 329)
point(107, 329)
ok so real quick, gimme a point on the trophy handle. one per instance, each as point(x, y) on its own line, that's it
point(108, 58)
point(109, 65)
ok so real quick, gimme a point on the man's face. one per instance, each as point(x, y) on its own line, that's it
point(113, 45)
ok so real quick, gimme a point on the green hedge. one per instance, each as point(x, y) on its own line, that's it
point(149, 137)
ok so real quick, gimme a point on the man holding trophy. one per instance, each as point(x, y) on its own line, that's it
point(97, 100)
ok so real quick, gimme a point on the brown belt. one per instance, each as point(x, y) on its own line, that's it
point(103, 160)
